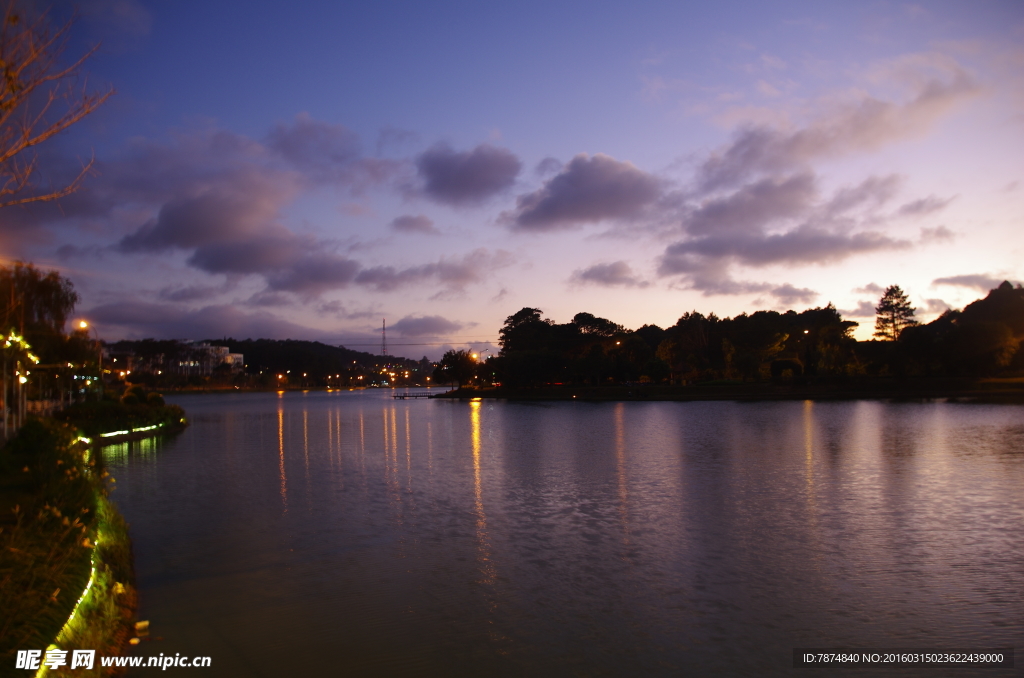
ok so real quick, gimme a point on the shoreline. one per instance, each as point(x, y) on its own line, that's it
point(1009, 391)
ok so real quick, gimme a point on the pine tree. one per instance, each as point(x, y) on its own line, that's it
point(895, 314)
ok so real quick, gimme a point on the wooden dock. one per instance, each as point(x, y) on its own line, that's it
point(403, 396)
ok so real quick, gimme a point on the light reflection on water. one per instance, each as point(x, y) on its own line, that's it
point(347, 533)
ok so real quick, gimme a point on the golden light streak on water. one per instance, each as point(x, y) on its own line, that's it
point(810, 490)
point(330, 436)
point(305, 439)
point(305, 451)
point(483, 547)
point(394, 439)
point(362, 447)
point(280, 449)
point(620, 469)
point(341, 460)
point(408, 452)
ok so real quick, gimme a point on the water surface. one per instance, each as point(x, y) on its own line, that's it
point(347, 533)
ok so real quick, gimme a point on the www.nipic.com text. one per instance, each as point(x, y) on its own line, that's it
point(86, 659)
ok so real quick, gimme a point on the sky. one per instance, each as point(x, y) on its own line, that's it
point(309, 171)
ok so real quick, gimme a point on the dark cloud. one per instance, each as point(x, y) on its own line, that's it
point(320, 150)
point(805, 244)
point(466, 177)
point(337, 308)
point(222, 214)
point(976, 281)
point(614, 274)
point(429, 325)
point(712, 285)
point(865, 309)
point(271, 299)
point(936, 306)
point(861, 125)
point(137, 320)
point(453, 274)
point(755, 206)
point(548, 166)
point(260, 254)
point(414, 224)
point(393, 137)
point(873, 192)
point(588, 189)
point(937, 234)
point(787, 294)
point(314, 273)
point(870, 288)
point(190, 292)
point(923, 206)
point(780, 220)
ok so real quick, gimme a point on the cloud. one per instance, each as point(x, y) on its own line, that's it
point(776, 220)
point(754, 206)
point(452, 273)
point(806, 244)
point(320, 150)
point(237, 207)
point(788, 294)
point(614, 274)
point(394, 137)
point(588, 189)
point(873, 192)
point(933, 84)
point(865, 309)
point(429, 325)
point(936, 306)
point(314, 273)
point(547, 166)
point(136, 320)
point(977, 281)
point(190, 292)
point(924, 206)
point(467, 177)
point(414, 224)
point(870, 288)
point(937, 234)
point(271, 299)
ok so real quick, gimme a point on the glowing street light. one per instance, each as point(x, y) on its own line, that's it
point(84, 325)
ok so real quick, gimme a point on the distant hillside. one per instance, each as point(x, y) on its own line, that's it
point(311, 357)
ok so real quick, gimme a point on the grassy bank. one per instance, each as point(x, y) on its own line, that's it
point(58, 536)
point(95, 418)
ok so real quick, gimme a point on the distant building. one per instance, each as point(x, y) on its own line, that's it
point(186, 358)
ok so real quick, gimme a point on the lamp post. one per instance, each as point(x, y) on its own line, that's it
point(83, 325)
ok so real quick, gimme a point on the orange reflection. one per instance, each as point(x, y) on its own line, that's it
point(620, 469)
point(812, 505)
point(483, 548)
point(280, 449)
point(408, 452)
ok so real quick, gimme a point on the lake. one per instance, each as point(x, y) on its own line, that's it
point(347, 533)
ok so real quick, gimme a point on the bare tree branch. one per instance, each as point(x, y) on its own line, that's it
point(39, 98)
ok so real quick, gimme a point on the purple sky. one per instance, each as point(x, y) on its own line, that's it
point(306, 171)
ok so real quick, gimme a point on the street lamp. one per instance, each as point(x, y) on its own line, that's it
point(83, 325)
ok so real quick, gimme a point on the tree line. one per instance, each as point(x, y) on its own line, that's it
point(981, 340)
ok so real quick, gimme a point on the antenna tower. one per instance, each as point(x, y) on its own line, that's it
point(384, 337)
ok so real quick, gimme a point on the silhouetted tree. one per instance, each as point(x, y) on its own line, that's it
point(37, 305)
point(894, 314)
point(456, 367)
